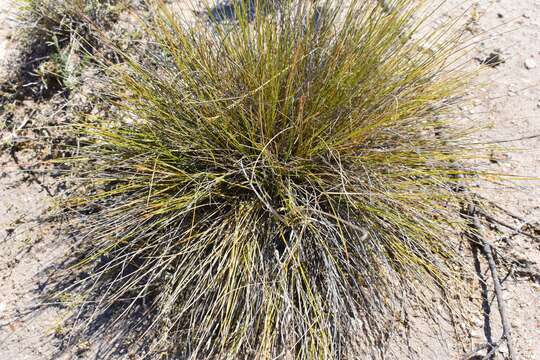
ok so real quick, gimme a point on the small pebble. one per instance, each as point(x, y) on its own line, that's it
point(530, 64)
point(478, 322)
point(498, 157)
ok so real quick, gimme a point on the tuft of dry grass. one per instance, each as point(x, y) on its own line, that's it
point(51, 34)
point(285, 182)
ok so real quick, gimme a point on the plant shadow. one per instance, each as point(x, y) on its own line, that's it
point(230, 11)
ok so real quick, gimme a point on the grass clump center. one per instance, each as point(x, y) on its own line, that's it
point(285, 182)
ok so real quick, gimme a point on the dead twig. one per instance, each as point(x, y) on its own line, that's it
point(472, 353)
point(492, 348)
point(488, 253)
point(507, 140)
point(517, 230)
point(507, 212)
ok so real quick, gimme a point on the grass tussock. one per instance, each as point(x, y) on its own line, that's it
point(285, 184)
point(52, 36)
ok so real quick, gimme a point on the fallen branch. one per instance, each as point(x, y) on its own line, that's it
point(473, 212)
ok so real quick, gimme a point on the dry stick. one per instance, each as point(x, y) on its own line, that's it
point(515, 216)
point(488, 252)
point(508, 212)
point(507, 141)
point(497, 221)
point(492, 351)
point(517, 231)
point(475, 351)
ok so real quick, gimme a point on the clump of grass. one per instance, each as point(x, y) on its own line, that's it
point(57, 21)
point(51, 33)
point(286, 181)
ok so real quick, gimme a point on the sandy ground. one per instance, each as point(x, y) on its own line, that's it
point(25, 250)
point(509, 103)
